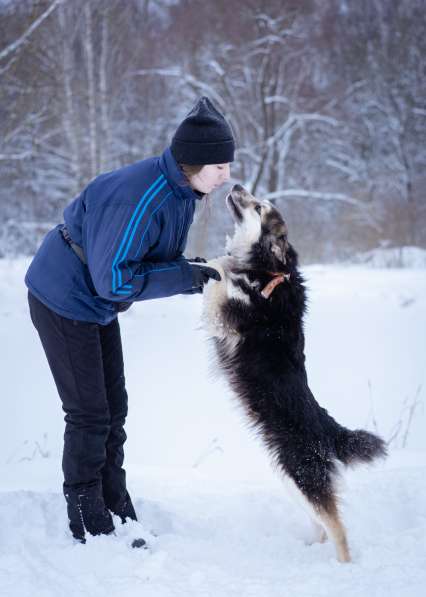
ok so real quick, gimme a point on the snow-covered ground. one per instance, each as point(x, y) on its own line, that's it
point(215, 514)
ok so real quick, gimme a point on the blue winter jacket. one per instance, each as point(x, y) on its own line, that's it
point(132, 225)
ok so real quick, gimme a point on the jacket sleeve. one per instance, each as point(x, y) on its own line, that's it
point(118, 241)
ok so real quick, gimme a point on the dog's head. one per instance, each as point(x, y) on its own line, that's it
point(260, 231)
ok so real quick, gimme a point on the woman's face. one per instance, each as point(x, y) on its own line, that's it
point(210, 177)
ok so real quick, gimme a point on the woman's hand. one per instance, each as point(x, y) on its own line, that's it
point(201, 274)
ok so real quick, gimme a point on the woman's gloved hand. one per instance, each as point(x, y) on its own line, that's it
point(201, 274)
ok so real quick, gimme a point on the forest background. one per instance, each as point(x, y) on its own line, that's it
point(326, 99)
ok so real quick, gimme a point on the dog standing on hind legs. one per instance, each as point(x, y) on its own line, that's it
point(255, 317)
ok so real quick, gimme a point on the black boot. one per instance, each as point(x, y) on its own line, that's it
point(123, 508)
point(87, 512)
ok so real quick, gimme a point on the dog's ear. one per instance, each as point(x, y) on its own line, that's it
point(279, 248)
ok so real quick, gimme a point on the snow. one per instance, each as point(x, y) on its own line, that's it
point(214, 512)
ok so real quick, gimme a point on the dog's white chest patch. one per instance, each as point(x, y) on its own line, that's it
point(233, 289)
point(215, 296)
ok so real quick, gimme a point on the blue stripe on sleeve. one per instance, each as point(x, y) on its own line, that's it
point(115, 264)
point(160, 269)
point(135, 227)
point(149, 223)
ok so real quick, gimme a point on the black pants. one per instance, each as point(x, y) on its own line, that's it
point(86, 361)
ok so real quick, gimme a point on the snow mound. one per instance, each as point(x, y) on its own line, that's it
point(221, 539)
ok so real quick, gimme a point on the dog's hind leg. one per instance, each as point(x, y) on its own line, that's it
point(330, 519)
point(322, 534)
point(318, 532)
point(325, 518)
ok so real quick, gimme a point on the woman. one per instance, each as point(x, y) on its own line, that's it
point(122, 241)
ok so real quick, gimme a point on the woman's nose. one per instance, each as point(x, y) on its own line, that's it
point(227, 173)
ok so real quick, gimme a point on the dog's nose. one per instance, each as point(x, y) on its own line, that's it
point(237, 188)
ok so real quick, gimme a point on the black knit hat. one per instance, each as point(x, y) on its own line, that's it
point(203, 137)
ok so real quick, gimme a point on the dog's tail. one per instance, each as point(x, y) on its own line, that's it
point(359, 446)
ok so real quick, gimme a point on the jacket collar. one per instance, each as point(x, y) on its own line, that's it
point(175, 177)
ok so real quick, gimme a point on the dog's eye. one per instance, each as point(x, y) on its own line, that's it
point(258, 208)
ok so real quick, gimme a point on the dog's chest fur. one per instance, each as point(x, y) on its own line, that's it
point(216, 294)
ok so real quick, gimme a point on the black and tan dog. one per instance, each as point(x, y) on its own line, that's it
point(255, 315)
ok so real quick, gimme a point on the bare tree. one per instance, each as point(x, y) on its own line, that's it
point(326, 101)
